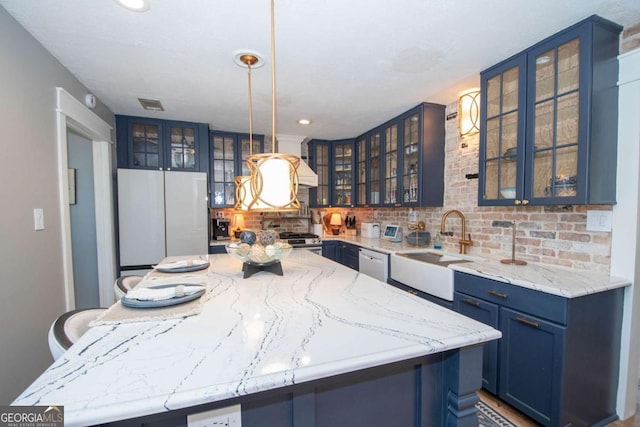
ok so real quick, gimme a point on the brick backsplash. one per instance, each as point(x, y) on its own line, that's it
point(554, 235)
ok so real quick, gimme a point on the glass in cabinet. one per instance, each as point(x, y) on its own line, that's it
point(565, 149)
point(390, 182)
point(343, 165)
point(229, 152)
point(361, 171)
point(410, 155)
point(319, 152)
point(145, 143)
point(503, 129)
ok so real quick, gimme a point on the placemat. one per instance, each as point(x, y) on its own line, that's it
point(118, 313)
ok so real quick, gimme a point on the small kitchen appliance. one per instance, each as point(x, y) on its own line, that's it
point(220, 229)
point(392, 232)
point(370, 230)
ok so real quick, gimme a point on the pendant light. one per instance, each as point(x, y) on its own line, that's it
point(274, 176)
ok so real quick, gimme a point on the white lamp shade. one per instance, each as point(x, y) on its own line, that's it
point(336, 219)
point(237, 222)
point(274, 182)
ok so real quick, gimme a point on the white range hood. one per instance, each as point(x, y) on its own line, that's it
point(291, 144)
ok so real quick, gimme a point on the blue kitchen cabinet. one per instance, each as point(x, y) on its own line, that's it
point(549, 121)
point(399, 163)
point(228, 154)
point(557, 360)
point(320, 162)
point(344, 253)
point(405, 160)
point(330, 250)
point(486, 313)
point(349, 255)
point(144, 143)
point(334, 163)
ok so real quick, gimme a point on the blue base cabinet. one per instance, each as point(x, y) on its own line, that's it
point(344, 253)
point(557, 360)
point(436, 390)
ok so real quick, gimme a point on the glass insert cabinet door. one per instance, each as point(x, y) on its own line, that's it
point(183, 147)
point(502, 158)
point(361, 171)
point(554, 160)
point(223, 170)
point(375, 156)
point(321, 161)
point(343, 173)
point(391, 165)
point(410, 159)
point(146, 145)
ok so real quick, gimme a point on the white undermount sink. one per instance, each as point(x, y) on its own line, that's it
point(427, 271)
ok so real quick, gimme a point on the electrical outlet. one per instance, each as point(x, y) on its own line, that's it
point(229, 416)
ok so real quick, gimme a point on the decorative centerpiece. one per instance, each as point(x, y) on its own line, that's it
point(261, 251)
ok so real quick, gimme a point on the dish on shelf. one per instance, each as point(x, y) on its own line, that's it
point(508, 192)
point(511, 152)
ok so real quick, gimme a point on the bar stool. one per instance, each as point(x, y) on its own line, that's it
point(124, 284)
point(70, 326)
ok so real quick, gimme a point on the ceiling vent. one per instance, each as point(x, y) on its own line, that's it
point(151, 104)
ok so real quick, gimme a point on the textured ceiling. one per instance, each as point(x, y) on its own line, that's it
point(346, 65)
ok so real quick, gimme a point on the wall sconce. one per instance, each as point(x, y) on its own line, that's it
point(237, 224)
point(469, 113)
point(336, 223)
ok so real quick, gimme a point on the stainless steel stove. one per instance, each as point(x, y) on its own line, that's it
point(300, 239)
point(308, 241)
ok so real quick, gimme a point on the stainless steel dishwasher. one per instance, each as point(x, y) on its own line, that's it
point(374, 264)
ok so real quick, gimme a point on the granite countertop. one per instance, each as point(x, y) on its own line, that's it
point(267, 331)
point(555, 280)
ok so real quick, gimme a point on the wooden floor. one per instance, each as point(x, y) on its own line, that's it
point(522, 420)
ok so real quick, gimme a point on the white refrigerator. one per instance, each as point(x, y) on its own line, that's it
point(161, 213)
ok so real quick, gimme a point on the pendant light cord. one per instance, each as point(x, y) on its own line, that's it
point(273, 78)
point(250, 112)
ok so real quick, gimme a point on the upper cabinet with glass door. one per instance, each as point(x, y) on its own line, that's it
point(555, 144)
point(145, 143)
point(414, 157)
point(229, 152)
point(320, 162)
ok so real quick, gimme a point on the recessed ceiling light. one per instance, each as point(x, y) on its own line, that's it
point(304, 121)
point(134, 5)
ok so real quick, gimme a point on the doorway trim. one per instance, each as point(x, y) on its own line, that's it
point(71, 113)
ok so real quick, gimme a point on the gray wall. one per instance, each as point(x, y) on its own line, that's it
point(31, 281)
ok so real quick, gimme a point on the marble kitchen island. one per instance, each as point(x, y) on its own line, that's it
point(320, 346)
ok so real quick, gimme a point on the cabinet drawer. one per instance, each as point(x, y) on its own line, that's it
point(551, 307)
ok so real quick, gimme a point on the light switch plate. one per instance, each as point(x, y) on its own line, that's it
point(38, 219)
point(599, 220)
